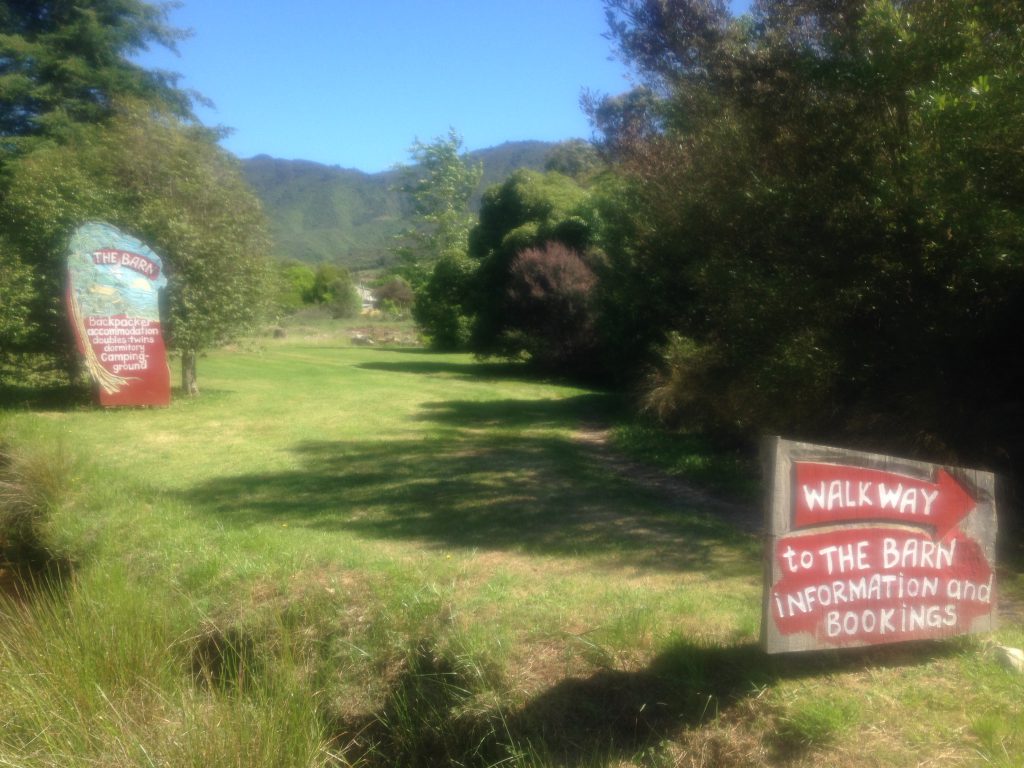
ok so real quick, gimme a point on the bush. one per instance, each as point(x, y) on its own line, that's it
point(673, 390)
point(345, 300)
point(734, 389)
point(396, 290)
point(440, 308)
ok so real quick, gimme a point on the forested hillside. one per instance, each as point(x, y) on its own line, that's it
point(322, 213)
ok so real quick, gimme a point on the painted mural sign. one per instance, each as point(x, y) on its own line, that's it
point(867, 549)
point(113, 303)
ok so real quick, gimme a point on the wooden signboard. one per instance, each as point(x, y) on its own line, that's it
point(867, 549)
point(112, 296)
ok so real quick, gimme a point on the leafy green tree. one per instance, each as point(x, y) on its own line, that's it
point(344, 298)
point(324, 279)
point(64, 66)
point(442, 304)
point(440, 185)
point(576, 159)
point(295, 283)
point(85, 133)
point(332, 286)
point(170, 185)
point(16, 294)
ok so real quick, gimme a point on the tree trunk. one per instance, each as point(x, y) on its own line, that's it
point(189, 386)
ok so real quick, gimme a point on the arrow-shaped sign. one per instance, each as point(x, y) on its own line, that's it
point(826, 494)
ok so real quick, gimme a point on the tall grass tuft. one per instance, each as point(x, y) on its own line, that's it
point(439, 711)
point(33, 484)
point(98, 674)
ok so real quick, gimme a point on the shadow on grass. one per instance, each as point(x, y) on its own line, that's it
point(563, 413)
point(487, 482)
point(429, 716)
point(531, 494)
point(477, 371)
point(22, 580)
point(56, 397)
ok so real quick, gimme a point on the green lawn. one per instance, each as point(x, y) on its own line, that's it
point(363, 556)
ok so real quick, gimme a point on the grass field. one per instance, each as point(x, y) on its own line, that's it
point(361, 556)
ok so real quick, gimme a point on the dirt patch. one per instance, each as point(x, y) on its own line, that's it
point(22, 581)
point(371, 336)
point(596, 440)
point(10, 584)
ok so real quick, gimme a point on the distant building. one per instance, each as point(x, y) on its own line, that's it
point(369, 301)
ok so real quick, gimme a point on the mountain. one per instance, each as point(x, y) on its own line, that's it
point(500, 161)
point(326, 213)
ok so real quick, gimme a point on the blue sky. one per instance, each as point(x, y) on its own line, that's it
point(355, 82)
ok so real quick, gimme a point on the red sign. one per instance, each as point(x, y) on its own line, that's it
point(131, 352)
point(861, 554)
point(864, 585)
point(113, 287)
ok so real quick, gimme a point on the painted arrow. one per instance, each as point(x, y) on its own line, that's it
point(826, 494)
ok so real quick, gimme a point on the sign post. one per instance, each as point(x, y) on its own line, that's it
point(867, 549)
point(113, 304)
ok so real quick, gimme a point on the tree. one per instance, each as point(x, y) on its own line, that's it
point(395, 297)
point(168, 184)
point(528, 210)
point(440, 185)
point(324, 278)
point(345, 300)
point(829, 202)
point(397, 291)
point(575, 158)
point(16, 294)
point(442, 304)
point(63, 64)
point(87, 134)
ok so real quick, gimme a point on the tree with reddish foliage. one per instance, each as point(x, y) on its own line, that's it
point(397, 293)
point(550, 308)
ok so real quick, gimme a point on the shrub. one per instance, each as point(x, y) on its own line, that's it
point(674, 388)
point(739, 389)
point(440, 308)
point(396, 290)
point(345, 301)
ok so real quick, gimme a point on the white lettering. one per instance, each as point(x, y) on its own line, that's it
point(889, 498)
point(814, 497)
